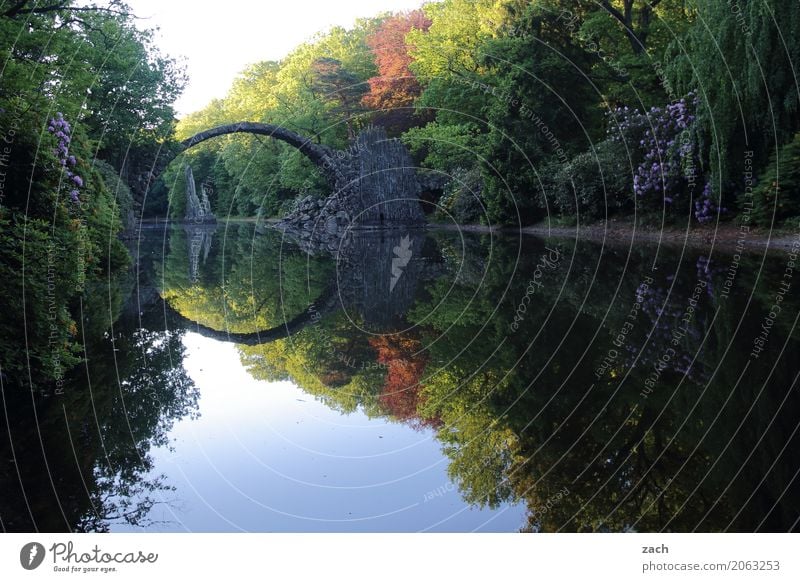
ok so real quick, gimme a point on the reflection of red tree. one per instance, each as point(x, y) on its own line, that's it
point(395, 86)
point(400, 397)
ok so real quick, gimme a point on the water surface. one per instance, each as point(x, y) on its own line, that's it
point(418, 381)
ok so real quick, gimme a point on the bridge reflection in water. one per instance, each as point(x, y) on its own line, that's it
point(415, 331)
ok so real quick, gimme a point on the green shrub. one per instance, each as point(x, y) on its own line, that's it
point(776, 199)
point(592, 184)
point(120, 192)
point(461, 201)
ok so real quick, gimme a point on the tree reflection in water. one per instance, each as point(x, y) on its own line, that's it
point(81, 460)
point(624, 400)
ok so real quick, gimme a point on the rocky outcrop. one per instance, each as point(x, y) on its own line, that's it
point(318, 223)
point(199, 238)
point(375, 187)
point(198, 209)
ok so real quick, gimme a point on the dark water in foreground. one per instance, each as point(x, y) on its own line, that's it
point(440, 382)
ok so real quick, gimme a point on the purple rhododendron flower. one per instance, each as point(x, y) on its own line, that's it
point(60, 128)
point(668, 151)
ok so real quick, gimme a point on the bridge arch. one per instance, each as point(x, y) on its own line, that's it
point(327, 302)
point(322, 156)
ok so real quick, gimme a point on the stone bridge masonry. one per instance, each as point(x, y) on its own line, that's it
point(374, 182)
point(374, 187)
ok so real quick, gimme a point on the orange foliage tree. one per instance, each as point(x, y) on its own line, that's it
point(405, 365)
point(393, 91)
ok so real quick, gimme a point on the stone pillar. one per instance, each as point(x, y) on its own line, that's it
point(197, 211)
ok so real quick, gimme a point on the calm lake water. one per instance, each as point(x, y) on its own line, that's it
point(418, 381)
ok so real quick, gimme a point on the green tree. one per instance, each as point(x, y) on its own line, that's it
point(542, 106)
point(740, 58)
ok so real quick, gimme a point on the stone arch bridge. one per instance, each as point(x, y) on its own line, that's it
point(373, 183)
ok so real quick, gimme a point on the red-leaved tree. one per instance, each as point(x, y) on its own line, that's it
point(405, 365)
point(393, 91)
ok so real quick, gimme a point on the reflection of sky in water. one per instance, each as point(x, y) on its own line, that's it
point(268, 457)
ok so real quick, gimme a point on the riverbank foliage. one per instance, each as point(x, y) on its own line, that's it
point(84, 94)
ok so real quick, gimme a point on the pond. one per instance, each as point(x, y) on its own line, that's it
point(425, 380)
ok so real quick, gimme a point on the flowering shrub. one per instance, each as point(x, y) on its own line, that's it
point(705, 208)
point(61, 129)
point(663, 146)
point(664, 311)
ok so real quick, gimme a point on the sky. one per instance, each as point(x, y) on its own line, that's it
point(219, 39)
point(266, 456)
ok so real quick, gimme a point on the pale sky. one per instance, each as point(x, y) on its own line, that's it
point(219, 39)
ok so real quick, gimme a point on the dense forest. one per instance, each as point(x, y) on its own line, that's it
point(673, 111)
point(85, 104)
